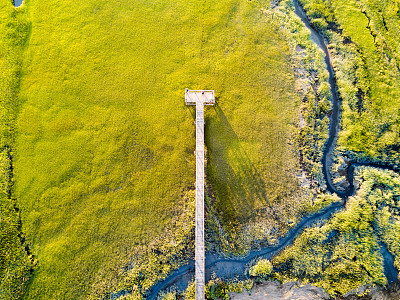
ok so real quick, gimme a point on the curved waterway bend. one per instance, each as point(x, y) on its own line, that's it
point(389, 268)
point(334, 118)
point(229, 267)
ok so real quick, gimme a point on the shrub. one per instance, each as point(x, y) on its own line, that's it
point(169, 296)
point(263, 268)
point(190, 291)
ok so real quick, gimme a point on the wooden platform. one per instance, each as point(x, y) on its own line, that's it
point(194, 96)
point(199, 98)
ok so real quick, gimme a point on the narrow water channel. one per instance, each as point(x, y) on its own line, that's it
point(228, 267)
point(389, 268)
point(334, 117)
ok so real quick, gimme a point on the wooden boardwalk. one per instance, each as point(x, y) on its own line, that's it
point(199, 242)
point(199, 98)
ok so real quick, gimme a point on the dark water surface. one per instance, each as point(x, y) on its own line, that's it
point(18, 3)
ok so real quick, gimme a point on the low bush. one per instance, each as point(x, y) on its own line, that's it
point(262, 269)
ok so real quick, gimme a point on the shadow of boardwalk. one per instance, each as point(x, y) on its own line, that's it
point(237, 184)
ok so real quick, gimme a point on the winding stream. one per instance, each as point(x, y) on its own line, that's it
point(229, 267)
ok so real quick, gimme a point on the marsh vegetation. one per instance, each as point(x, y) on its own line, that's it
point(103, 155)
point(96, 161)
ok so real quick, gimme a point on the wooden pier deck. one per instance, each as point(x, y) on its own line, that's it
point(199, 98)
point(199, 242)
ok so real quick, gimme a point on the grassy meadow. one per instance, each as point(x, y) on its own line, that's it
point(103, 158)
point(264, 185)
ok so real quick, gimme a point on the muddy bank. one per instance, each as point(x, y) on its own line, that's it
point(274, 290)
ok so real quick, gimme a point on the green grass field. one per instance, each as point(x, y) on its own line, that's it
point(104, 164)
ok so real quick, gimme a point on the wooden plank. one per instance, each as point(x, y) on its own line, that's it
point(199, 230)
point(193, 96)
point(199, 98)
